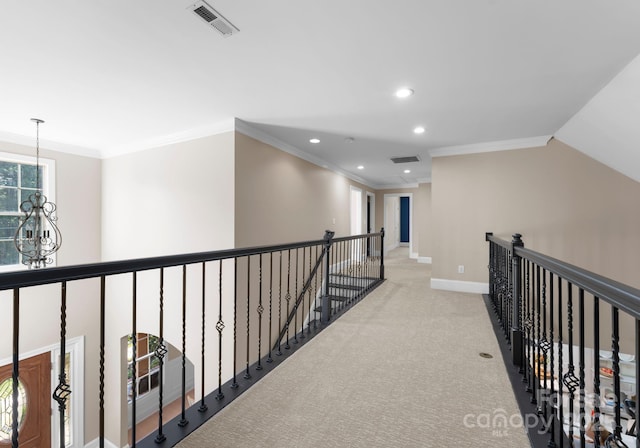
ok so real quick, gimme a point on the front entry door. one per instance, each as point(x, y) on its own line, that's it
point(35, 378)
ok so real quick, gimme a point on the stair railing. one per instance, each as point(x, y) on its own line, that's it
point(242, 300)
point(552, 314)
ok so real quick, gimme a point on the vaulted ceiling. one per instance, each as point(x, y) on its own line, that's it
point(114, 76)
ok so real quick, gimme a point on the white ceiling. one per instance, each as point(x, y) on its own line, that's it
point(115, 76)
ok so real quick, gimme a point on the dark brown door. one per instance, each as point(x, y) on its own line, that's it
point(35, 377)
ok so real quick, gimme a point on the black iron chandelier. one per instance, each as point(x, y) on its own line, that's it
point(37, 237)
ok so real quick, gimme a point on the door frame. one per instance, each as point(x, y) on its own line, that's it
point(75, 347)
point(399, 195)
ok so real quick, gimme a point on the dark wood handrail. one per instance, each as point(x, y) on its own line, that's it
point(623, 297)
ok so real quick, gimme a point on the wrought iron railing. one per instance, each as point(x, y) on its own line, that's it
point(262, 304)
point(583, 388)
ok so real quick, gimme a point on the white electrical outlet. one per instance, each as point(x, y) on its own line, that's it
point(334, 220)
point(461, 269)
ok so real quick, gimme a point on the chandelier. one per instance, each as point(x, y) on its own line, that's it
point(37, 237)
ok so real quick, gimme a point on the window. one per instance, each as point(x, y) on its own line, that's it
point(17, 182)
point(147, 365)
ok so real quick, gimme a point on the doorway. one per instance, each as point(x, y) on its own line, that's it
point(396, 228)
point(34, 402)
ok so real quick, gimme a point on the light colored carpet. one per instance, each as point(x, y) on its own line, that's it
point(400, 369)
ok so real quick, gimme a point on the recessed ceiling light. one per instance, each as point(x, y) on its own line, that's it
point(314, 140)
point(404, 92)
point(418, 130)
point(407, 171)
point(360, 167)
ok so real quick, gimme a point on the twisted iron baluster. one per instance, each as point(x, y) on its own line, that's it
point(569, 379)
point(288, 296)
point(101, 375)
point(615, 348)
point(279, 352)
point(596, 371)
point(310, 292)
point(134, 357)
point(581, 366)
point(315, 293)
point(545, 345)
point(160, 352)
point(203, 406)
point(536, 331)
point(62, 391)
point(183, 414)
point(295, 325)
point(234, 383)
point(219, 328)
point(527, 328)
point(260, 311)
point(304, 276)
point(269, 358)
point(551, 428)
point(247, 374)
point(560, 363)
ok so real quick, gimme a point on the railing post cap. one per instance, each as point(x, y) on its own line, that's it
point(328, 235)
point(517, 240)
point(487, 235)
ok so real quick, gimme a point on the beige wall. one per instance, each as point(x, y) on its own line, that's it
point(564, 204)
point(78, 197)
point(423, 220)
point(282, 198)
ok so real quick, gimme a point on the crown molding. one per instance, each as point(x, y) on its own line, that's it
point(248, 130)
point(501, 145)
point(49, 145)
point(208, 130)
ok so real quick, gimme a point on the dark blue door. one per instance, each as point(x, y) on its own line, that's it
point(404, 219)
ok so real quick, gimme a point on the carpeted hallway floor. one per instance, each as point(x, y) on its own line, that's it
point(400, 369)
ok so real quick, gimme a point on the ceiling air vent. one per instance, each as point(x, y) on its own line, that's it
point(405, 159)
point(213, 18)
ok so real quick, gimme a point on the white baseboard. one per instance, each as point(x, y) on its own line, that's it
point(95, 443)
point(413, 255)
point(425, 260)
point(460, 286)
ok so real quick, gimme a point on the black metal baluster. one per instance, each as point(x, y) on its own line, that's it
point(544, 345)
point(260, 310)
point(536, 324)
point(101, 375)
point(247, 374)
point(569, 379)
point(637, 434)
point(596, 371)
point(63, 390)
point(315, 291)
point(310, 292)
point(279, 352)
point(295, 325)
point(615, 348)
point(134, 357)
point(527, 327)
point(203, 406)
point(560, 399)
point(160, 352)
point(183, 405)
point(552, 396)
point(287, 298)
point(269, 358)
point(581, 365)
point(234, 383)
point(219, 328)
point(15, 374)
point(304, 277)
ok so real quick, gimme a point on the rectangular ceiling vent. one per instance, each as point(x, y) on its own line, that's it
point(405, 159)
point(213, 18)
